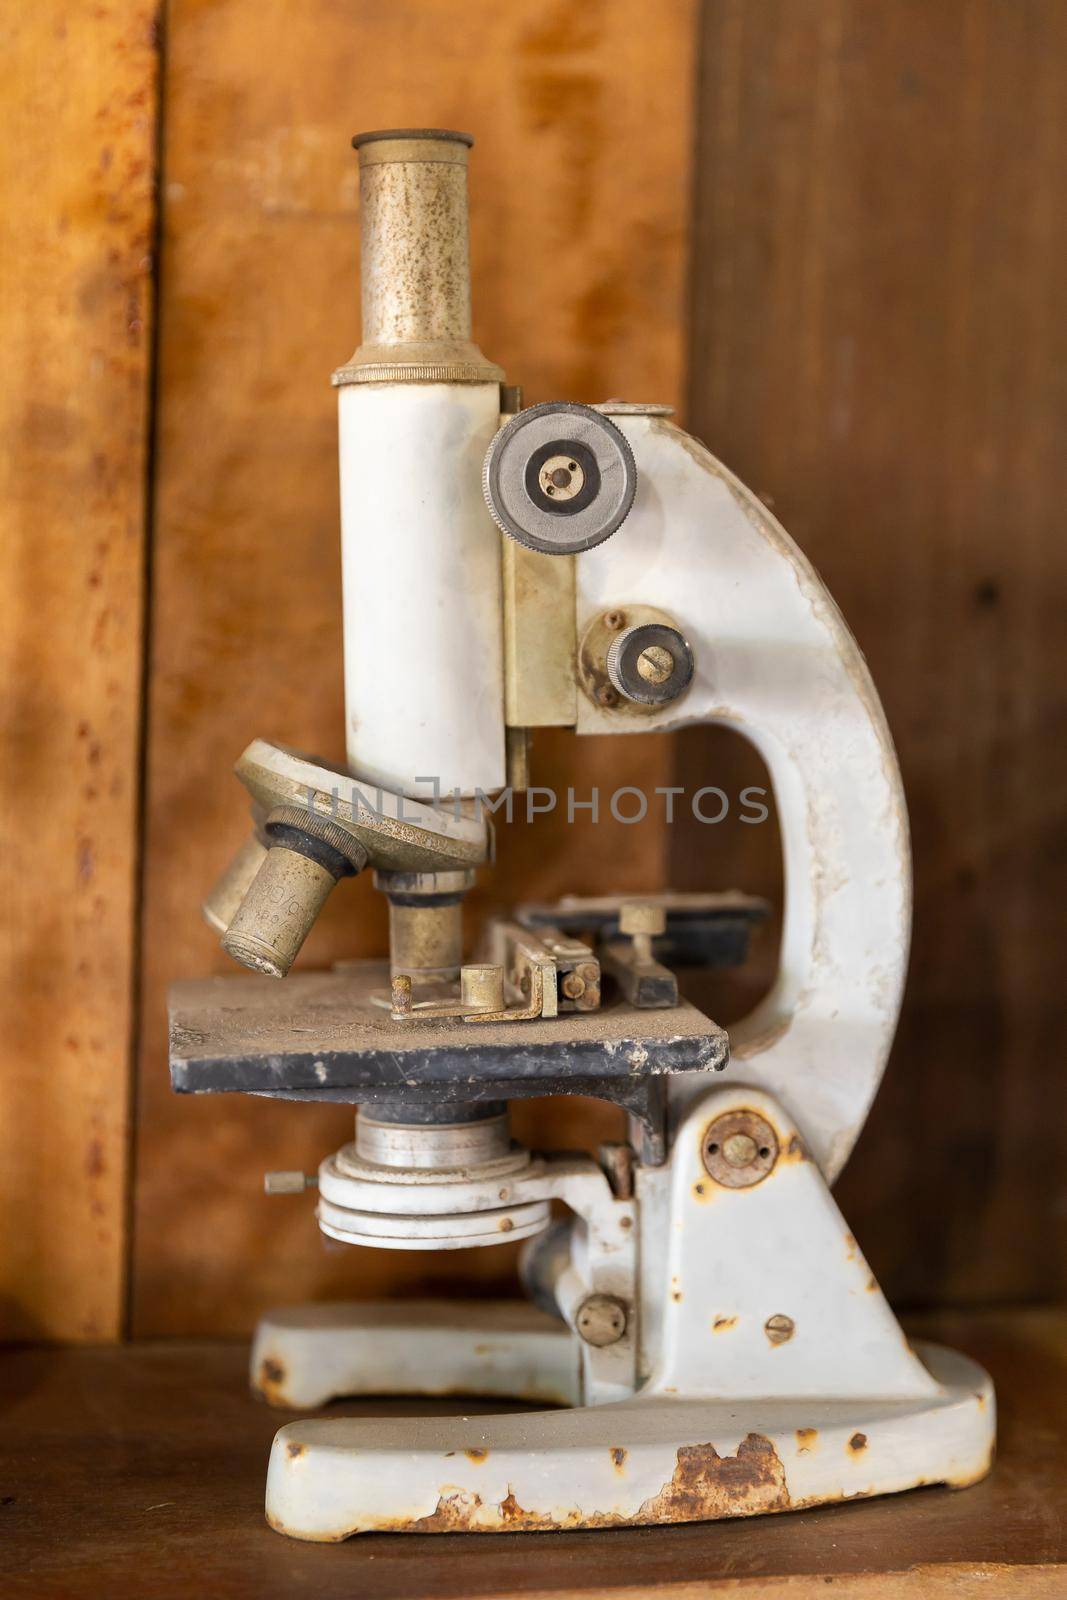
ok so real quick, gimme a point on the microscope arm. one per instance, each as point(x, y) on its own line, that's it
point(775, 660)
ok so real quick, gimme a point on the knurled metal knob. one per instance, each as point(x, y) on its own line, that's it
point(559, 478)
point(642, 916)
point(650, 663)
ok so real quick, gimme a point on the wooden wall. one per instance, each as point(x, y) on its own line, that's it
point(872, 234)
point(77, 143)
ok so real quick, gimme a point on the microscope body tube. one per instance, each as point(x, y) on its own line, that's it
point(424, 657)
point(421, 562)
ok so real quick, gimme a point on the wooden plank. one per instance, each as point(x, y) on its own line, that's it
point(879, 350)
point(76, 172)
point(174, 1485)
point(580, 182)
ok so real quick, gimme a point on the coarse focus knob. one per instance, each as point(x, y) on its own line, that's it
point(559, 478)
point(650, 663)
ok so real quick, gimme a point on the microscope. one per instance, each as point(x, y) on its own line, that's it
point(700, 1329)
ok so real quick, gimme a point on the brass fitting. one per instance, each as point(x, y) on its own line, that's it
point(642, 921)
point(308, 854)
point(232, 884)
point(425, 923)
point(415, 261)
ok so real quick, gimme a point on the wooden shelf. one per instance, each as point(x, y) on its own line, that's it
point(139, 1471)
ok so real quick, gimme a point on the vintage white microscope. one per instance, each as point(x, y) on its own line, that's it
point(701, 1311)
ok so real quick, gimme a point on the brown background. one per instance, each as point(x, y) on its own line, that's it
point(832, 233)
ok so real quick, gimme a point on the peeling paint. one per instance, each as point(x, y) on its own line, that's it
point(704, 1487)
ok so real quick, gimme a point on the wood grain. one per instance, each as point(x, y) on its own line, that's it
point(580, 195)
point(77, 132)
point(173, 1484)
point(879, 350)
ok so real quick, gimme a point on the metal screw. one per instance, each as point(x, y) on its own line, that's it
point(287, 1182)
point(642, 916)
point(642, 921)
point(779, 1328)
point(739, 1149)
point(573, 985)
point(601, 1320)
point(655, 664)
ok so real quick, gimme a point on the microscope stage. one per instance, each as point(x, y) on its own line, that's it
point(321, 1036)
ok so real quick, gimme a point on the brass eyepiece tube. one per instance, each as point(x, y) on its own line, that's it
point(415, 260)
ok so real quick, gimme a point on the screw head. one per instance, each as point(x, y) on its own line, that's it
point(779, 1328)
point(739, 1149)
point(601, 1320)
point(650, 663)
point(655, 664)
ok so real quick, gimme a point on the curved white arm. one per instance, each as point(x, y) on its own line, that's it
point(775, 660)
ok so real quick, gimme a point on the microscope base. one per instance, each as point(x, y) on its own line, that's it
point(652, 1459)
point(780, 1377)
point(305, 1356)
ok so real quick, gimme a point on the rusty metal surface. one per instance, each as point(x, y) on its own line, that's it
point(705, 1487)
point(648, 1461)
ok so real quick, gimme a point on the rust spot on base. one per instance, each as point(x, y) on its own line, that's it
point(794, 1150)
point(705, 1486)
point(476, 1455)
point(857, 1443)
point(722, 1323)
point(455, 1513)
point(618, 1456)
point(270, 1380)
point(293, 1449)
point(807, 1438)
point(700, 1190)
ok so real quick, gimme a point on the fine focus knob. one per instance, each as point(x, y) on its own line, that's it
point(650, 663)
point(559, 478)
